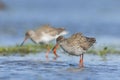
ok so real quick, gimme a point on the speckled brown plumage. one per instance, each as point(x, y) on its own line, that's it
point(76, 45)
point(49, 30)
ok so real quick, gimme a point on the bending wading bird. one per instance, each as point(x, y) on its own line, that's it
point(44, 35)
point(76, 45)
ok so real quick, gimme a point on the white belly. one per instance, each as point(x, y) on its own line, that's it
point(46, 38)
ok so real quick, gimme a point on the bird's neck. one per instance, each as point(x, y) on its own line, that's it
point(35, 39)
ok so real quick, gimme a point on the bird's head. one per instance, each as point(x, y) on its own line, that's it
point(28, 34)
point(59, 39)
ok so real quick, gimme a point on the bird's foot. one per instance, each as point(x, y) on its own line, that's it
point(81, 66)
point(55, 58)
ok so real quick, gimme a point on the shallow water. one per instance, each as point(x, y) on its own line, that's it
point(37, 67)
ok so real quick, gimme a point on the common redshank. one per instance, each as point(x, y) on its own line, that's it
point(76, 45)
point(45, 34)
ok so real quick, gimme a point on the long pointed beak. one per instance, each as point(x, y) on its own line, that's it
point(24, 41)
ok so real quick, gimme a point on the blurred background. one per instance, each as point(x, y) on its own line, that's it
point(95, 18)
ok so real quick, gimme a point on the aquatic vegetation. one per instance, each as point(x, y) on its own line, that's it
point(26, 49)
point(36, 48)
point(104, 50)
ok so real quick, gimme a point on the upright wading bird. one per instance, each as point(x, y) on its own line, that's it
point(76, 45)
point(44, 35)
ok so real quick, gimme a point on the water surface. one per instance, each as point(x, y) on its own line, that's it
point(37, 67)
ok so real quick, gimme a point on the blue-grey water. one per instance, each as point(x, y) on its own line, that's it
point(37, 67)
point(96, 18)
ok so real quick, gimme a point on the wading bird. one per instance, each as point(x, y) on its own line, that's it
point(76, 45)
point(44, 35)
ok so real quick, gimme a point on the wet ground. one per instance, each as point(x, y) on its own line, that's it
point(37, 67)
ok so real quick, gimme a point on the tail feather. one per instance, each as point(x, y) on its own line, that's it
point(59, 30)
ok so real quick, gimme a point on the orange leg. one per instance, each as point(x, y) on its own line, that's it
point(48, 51)
point(54, 50)
point(81, 61)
